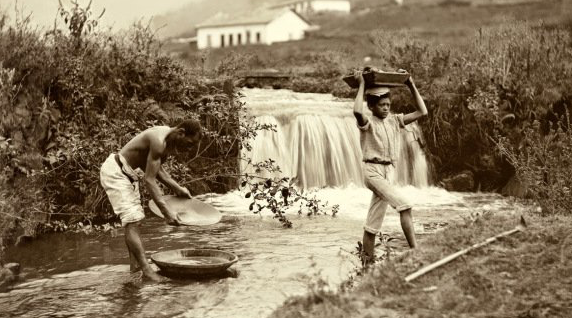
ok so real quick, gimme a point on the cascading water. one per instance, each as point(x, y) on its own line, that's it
point(317, 140)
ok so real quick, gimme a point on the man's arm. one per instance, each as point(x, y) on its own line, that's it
point(358, 104)
point(419, 103)
point(151, 171)
point(166, 179)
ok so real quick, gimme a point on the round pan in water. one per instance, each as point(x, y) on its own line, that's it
point(190, 211)
point(190, 262)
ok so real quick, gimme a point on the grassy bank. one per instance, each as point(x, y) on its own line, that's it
point(527, 274)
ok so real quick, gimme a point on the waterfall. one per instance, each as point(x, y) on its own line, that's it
point(317, 140)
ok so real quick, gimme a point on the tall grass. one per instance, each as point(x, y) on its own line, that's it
point(509, 77)
point(500, 106)
point(72, 95)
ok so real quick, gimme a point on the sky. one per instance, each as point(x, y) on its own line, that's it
point(119, 14)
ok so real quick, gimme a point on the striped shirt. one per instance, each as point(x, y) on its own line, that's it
point(379, 138)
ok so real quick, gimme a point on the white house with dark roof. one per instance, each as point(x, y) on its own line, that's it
point(263, 26)
point(312, 6)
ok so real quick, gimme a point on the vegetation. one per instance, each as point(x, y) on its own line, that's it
point(500, 106)
point(543, 164)
point(523, 275)
point(69, 98)
point(480, 83)
point(510, 77)
point(67, 90)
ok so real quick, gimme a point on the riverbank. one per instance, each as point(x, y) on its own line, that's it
point(528, 274)
point(92, 270)
point(477, 97)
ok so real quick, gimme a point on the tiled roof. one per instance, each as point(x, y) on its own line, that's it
point(260, 16)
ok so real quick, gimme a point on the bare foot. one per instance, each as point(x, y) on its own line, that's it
point(134, 268)
point(151, 275)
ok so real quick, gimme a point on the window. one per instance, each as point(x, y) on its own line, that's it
point(222, 40)
point(247, 37)
point(257, 37)
point(209, 41)
point(230, 40)
point(239, 39)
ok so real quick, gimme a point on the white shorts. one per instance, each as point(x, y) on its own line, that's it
point(122, 192)
point(379, 178)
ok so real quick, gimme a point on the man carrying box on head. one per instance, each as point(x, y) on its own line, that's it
point(379, 138)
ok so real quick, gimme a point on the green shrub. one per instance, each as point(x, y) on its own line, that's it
point(543, 164)
point(510, 76)
point(69, 97)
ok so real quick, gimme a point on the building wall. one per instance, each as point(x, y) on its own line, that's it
point(288, 27)
point(331, 5)
point(239, 35)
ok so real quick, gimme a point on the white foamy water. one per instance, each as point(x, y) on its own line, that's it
point(353, 200)
point(77, 275)
point(317, 140)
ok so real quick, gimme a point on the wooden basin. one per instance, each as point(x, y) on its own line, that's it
point(193, 262)
point(378, 78)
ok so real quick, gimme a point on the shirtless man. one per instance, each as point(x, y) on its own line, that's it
point(145, 151)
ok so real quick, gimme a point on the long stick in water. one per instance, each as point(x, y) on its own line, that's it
point(521, 227)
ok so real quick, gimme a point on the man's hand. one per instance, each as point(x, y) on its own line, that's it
point(409, 81)
point(173, 219)
point(183, 192)
point(358, 75)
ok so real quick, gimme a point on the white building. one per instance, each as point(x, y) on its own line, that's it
point(264, 26)
point(312, 6)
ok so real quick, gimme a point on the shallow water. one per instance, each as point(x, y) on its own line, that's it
point(78, 275)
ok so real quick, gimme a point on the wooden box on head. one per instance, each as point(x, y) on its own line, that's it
point(375, 77)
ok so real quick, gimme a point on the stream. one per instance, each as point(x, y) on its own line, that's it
point(87, 275)
point(79, 275)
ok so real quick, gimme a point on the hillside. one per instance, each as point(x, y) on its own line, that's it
point(442, 22)
point(182, 22)
point(426, 21)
